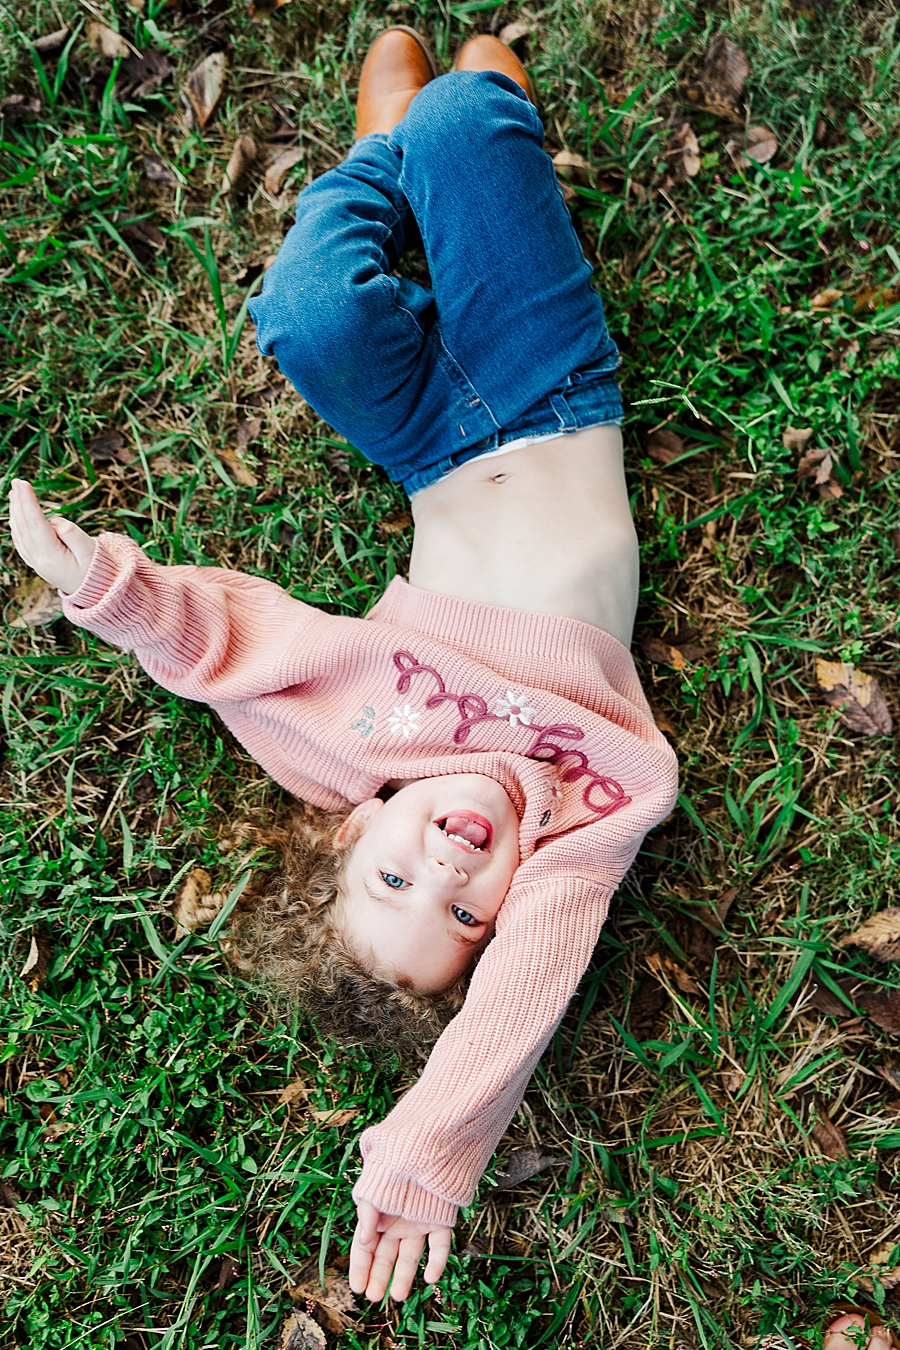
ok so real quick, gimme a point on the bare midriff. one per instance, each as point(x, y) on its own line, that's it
point(546, 528)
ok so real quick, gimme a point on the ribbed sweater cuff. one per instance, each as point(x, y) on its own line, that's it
point(392, 1194)
point(100, 576)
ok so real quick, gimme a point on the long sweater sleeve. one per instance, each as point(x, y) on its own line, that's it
point(425, 1159)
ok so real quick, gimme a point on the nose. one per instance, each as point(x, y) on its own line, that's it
point(446, 875)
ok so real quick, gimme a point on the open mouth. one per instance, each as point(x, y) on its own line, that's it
point(469, 829)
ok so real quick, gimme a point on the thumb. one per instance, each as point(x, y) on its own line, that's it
point(367, 1217)
point(79, 544)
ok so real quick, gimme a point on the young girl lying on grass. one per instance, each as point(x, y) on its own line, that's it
point(480, 741)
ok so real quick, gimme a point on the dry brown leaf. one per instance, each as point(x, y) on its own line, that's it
point(203, 89)
point(684, 148)
point(857, 696)
point(888, 1279)
point(110, 446)
point(51, 43)
point(647, 1003)
point(665, 968)
point(731, 1080)
point(335, 1303)
point(720, 85)
point(106, 42)
point(891, 1076)
point(144, 71)
point(881, 1006)
point(58, 1127)
point(337, 1118)
point(661, 653)
point(663, 723)
point(145, 241)
point(523, 1163)
point(826, 1001)
point(569, 159)
point(241, 472)
point(795, 438)
point(290, 1093)
point(15, 106)
point(874, 298)
point(280, 168)
point(248, 431)
point(512, 32)
point(759, 146)
point(825, 299)
point(664, 445)
point(241, 161)
point(38, 604)
point(829, 1138)
point(300, 1332)
point(880, 1256)
point(261, 9)
point(158, 171)
point(879, 936)
point(398, 523)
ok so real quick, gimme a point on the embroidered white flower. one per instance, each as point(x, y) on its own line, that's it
point(405, 721)
point(514, 709)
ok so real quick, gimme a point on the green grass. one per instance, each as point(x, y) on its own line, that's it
point(689, 1209)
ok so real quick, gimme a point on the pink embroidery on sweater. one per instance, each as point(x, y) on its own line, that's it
point(473, 709)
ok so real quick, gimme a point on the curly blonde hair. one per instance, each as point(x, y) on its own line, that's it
point(286, 938)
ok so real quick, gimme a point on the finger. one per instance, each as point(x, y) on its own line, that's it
point(406, 1266)
point(365, 1240)
point(382, 1265)
point(438, 1251)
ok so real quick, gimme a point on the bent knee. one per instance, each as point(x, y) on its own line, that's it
point(459, 108)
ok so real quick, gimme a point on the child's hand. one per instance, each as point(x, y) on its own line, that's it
point(55, 548)
point(383, 1243)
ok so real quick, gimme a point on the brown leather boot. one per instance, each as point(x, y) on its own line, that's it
point(489, 53)
point(397, 66)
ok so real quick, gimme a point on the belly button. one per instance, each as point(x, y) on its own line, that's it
point(500, 478)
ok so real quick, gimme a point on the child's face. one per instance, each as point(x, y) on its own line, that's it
point(427, 874)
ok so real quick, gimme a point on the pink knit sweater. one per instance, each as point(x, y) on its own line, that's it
point(333, 708)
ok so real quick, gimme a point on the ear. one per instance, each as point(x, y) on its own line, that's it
point(356, 824)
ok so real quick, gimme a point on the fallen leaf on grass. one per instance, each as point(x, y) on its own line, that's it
point(335, 1303)
point(612, 1215)
point(758, 146)
point(51, 43)
point(241, 161)
point(203, 89)
point(665, 968)
point(241, 472)
point(280, 168)
point(647, 1003)
point(829, 1138)
point(261, 9)
point(684, 148)
point(9, 1197)
point(300, 1332)
point(881, 1006)
point(513, 32)
point(795, 438)
point(106, 42)
point(290, 1093)
point(57, 1128)
point(144, 71)
point(857, 696)
point(720, 84)
point(34, 971)
point(523, 1163)
point(661, 653)
point(879, 936)
point(888, 1279)
point(16, 106)
point(731, 1080)
point(818, 464)
point(874, 298)
point(158, 171)
point(880, 1256)
point(891, 1076)
point(38, 604)
point(110, 446)
point(569, 159)
point(825, 299)
point(337, 1118)
point(664, 445)
point(825, 1000)
point(397, 523)
point(144, 240)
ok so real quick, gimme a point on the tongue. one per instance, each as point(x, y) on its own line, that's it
point(467, 829)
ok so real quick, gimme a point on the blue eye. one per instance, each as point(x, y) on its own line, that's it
point(395, 883)
point(465, 917)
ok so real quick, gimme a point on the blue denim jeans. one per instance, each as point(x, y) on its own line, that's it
point(510, 341)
